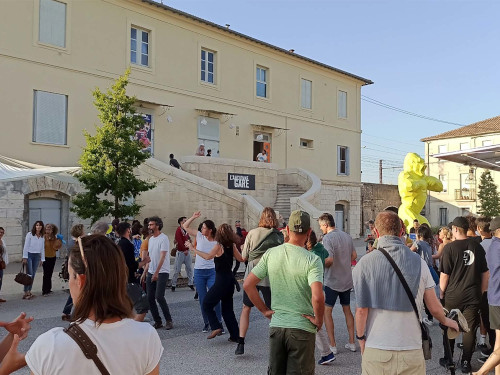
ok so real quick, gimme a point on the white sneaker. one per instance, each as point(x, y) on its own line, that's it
point(351, 347)
point(333, 349)
point(429, 322)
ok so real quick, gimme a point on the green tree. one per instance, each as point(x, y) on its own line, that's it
point(110, 157)
point(488, 196)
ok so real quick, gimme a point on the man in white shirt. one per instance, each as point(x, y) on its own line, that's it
point(159, 268)
point(262, 156)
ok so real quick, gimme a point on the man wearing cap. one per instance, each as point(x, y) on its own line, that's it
point(383, 307)
point(463, 279)
point(297, 300)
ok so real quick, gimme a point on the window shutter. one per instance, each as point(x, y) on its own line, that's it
point(52, 23)
point(338, 160)
point(342, 104)
point(347, 161)
point(50, 118)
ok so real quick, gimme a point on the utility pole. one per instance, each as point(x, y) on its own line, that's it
point(380, 171)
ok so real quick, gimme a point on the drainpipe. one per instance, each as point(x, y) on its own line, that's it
point(286, 142)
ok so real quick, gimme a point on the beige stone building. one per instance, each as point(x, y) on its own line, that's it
point(195, 83)
point(460, 180)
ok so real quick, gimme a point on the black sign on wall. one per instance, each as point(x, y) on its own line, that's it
point(241, 181)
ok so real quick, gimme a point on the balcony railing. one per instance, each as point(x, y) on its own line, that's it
point(465, 194)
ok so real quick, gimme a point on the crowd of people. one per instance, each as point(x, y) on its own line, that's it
point(116, 275)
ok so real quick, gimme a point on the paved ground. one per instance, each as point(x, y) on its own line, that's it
point(187, 351)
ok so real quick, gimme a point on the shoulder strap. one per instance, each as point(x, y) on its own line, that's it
point(402, 279)
point(85, 343)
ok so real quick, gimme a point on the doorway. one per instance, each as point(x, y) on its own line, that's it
point(339, 217)
point(261, 142)
point(46, 210)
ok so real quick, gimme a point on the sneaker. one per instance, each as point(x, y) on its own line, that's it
point(351, 347)
point(196, 296)
point(326, 359)
point(223, 332)
point(333, 349)
point(191, 287)
point(429, 322)
point(169, 325)
point(173, 289)
point(157, 325)
point(206, 328)
point(215, 332)
point(466, 368)
point(443, 362)
point(240, 349)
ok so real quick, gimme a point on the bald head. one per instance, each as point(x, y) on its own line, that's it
point(388, 223)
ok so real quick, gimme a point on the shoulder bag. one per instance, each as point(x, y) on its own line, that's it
point(426, 338)
point(85, 343)
point(22, 277)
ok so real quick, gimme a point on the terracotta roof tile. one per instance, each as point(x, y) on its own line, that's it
point(491, 125)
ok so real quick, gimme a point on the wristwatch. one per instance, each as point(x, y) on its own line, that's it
point(362, 338)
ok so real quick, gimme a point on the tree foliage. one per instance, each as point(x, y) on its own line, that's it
point(110, 157)
point(488, 196)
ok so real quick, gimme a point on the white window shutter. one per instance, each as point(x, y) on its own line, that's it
point(347, 161)
point(52, 23)
point(50, 118)
point(338, 160)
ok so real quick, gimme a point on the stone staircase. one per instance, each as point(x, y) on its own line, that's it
point(285, 192)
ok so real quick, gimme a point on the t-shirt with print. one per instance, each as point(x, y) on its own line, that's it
point(384, 327)
point(291, 270)
point(156, 246)
point(340, 246)
point(465, 262)
point(205, 246)
point(124, 347)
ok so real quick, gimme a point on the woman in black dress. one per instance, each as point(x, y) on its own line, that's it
point(223, 289)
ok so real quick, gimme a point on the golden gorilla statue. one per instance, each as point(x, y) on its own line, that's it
point(413, 185)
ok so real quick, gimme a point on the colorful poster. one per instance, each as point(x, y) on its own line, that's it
point(145, 134)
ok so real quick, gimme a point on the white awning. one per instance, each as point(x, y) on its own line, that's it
point(487, 157)
point(13, 170)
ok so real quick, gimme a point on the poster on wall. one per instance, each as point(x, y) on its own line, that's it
point(145, 134)
point(241, 181)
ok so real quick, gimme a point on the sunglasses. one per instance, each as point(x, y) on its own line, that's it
point(81, 251)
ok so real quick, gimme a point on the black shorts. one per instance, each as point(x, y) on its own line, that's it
point(494, 317)
point(138, 297)
point(266, 293)
point(331, 297)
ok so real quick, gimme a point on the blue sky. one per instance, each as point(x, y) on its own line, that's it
point(435, 58)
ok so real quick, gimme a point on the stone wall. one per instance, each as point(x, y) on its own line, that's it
point(217, 169)
point(375, 198)
point(180, 193)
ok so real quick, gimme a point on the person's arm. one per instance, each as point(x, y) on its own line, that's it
point(237, 254)
point(484, 281)
point(361, 317)
point(57, 244)
point(328, 262)
point(163, 255)
point(12, 360)
point(27, 243)
point(436, 309)
point(318, 303)
point(439, 252)
point(191, 231)
point(250, 287)
point(156, 370)
point(207, 256)
point(443, 283)
point(354, 255)
point(42, 252)
point(490, 364)
point(413, 247)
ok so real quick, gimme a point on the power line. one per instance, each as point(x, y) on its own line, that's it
point(392, 140)
point(384, 105)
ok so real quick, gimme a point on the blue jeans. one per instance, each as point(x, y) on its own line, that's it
point(203, 280)
point(31, 267)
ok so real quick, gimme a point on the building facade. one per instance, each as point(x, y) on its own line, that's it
point(460, 181)
point(195, 83)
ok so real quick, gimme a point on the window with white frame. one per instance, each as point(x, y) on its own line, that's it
point(52, 23)
point(488, 142)
point(442, 149)
point(444, 181)
point(464, 146)
point(261, 75)
point(140, 46)
point(305, 93)
point(342, 160)
point(207, 66)
point(306, 143)
point(443, 216)
point(342, 104)
point(50, 118)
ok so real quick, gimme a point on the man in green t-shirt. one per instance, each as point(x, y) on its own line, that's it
point(297, 299)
